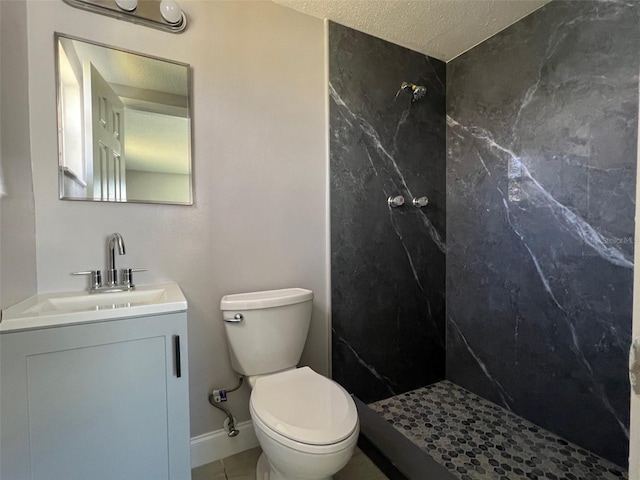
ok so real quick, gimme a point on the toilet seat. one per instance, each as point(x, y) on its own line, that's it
point(300, 447)
point(301, 406)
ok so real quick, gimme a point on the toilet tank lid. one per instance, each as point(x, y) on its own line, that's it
point(266, 299)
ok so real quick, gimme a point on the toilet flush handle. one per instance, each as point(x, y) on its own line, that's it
point(237, 318)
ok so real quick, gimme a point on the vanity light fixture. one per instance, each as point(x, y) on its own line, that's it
point(128, 5)
point(163, 15)
point(170, 11)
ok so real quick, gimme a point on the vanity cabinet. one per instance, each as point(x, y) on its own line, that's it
point(102, 401)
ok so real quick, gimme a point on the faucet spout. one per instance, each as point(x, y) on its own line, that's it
point(112, 273)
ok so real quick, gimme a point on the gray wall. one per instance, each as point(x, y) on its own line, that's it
point(541, 169)
point(387, 264)
point(259, 214)
point(17, 217)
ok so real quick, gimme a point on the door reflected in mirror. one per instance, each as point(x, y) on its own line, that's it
point(124, 125)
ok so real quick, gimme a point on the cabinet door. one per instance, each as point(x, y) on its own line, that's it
point(101, 401)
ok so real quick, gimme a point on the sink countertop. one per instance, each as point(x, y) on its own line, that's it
point(68, 308)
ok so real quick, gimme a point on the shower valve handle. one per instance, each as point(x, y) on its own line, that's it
point(395, 201)
point(420, 202)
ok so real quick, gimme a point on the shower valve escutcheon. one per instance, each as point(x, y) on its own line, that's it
point(395, 201)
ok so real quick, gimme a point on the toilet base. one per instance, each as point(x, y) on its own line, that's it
point(263, 471)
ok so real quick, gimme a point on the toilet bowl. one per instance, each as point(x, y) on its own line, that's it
point(306, 424)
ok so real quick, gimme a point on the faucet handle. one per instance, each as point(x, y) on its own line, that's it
point(96, 278)
point(127, 276)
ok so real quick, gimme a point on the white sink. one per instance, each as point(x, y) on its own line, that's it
point(98, 301)
point(56, 309)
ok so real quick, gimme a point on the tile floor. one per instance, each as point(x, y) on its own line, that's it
point(470, 436)
point(243, 467)
point(479, 440)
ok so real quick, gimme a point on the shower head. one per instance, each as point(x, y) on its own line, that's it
point(417, 91)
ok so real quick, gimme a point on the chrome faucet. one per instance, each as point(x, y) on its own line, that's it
point(112, 273)
point(112, 285)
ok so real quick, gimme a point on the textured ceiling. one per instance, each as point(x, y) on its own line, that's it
point(442, 29)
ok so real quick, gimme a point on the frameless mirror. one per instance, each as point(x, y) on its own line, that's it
point(124, 125)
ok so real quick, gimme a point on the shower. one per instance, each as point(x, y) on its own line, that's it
point(475, 325)
point(416, 91)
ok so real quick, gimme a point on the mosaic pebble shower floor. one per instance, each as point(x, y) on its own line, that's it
point(478, 440)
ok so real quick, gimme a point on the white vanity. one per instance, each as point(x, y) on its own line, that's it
point(95, 386)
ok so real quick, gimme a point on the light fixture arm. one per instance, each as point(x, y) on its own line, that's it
point(147, 13)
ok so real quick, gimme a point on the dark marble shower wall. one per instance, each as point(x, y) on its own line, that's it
point(387, 265)
point(541, 167)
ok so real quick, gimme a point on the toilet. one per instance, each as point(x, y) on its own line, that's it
point(306, 424)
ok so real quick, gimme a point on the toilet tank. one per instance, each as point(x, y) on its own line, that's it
point(266, 330)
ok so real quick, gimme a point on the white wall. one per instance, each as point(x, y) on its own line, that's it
point(259, 218)
point(17, 218)
point(1, 174)
point(634, 444)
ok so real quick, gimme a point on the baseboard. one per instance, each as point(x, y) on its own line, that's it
point(216, 445)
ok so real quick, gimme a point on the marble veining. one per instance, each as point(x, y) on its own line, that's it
point(387, 264)
point(504, 395)
point(534, 209)
point(364, 127)
point(542, 124)
point(381, 378)
point(522, 185)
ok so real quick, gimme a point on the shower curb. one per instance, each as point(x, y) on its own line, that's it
point(409, 459)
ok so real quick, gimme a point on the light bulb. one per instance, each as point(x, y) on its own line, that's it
point(128, 5)
point(170, 11)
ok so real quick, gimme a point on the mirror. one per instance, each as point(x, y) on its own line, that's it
point(124, 125)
